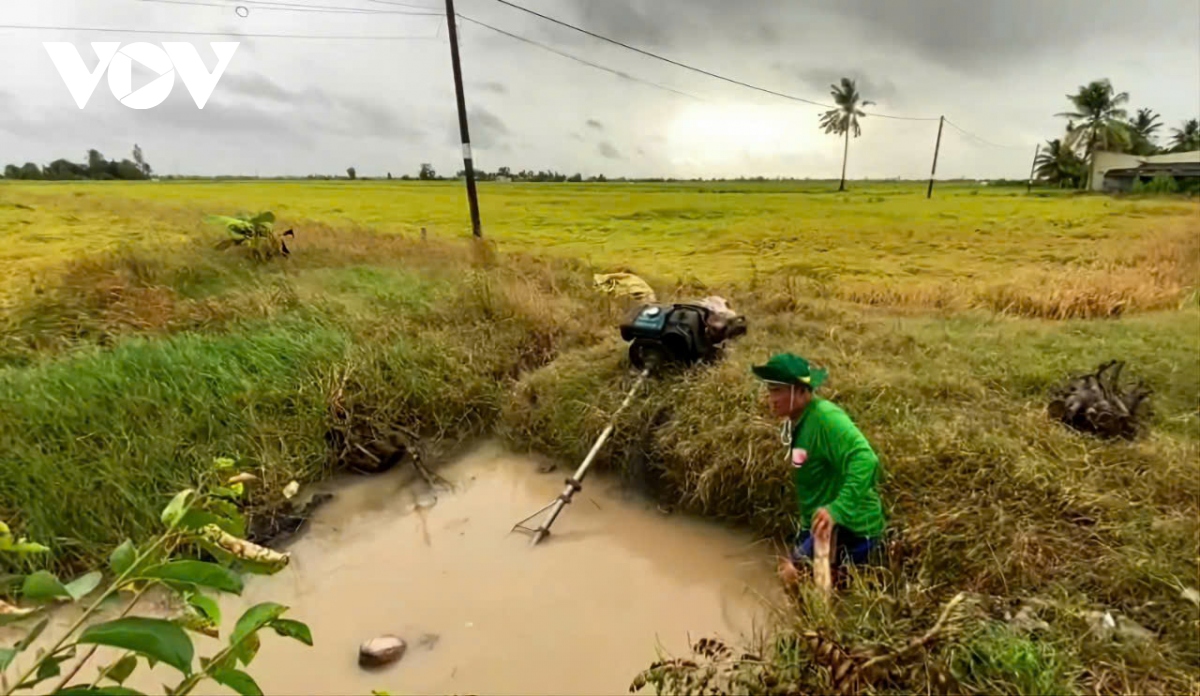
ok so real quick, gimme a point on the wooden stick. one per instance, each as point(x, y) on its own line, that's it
point(822, 569)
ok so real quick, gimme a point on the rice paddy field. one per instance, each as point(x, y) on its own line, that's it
point(132, 352)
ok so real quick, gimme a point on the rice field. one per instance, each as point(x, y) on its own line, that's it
point(132, 352)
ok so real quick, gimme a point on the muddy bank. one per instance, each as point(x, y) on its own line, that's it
point(484, 613)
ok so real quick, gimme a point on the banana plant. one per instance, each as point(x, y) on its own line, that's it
point(206, 517)
point(254, 233)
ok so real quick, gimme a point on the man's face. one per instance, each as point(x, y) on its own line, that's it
point(786, 401)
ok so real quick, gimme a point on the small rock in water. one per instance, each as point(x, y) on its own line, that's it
point(428, 641)
point(381, 651)
point(547, 468)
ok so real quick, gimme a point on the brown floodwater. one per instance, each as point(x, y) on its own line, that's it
point(481, 611)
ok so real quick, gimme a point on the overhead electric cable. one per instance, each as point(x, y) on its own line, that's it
point(695, 69)
point(217, 33)
point(564, 54)
point(293, 7)
point(983, 141)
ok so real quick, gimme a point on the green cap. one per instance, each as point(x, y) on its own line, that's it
point(786, 368)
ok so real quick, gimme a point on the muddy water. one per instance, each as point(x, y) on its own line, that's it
point(484, 613)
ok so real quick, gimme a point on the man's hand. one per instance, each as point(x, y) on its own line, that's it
point(788, 572)
point(822, 525)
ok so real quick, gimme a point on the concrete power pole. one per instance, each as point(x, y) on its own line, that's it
point(476, 228)
point(936, 149)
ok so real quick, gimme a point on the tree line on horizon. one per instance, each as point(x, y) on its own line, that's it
point(1097, 122)
point(96, 167)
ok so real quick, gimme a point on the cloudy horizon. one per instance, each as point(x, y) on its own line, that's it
point(290, 106)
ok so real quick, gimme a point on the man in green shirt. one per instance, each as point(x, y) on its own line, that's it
point(835, 471)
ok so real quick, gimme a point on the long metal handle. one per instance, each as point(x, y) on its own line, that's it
point(575, 483)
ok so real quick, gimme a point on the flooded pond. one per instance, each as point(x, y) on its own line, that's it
point(481, 611)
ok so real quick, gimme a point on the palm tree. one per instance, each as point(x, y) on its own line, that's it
point(1141, 131)
point(1098, 118)
point(844, 118)
point(1057, 164)
point(1187, 138)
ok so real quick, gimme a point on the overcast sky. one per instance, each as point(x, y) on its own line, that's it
point(998, 68)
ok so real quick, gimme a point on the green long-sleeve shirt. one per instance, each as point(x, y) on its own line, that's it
point(837, 470)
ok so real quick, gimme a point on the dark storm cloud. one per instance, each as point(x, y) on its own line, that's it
point(493, 87)
point(607, 150)
point(632, 21)
point(262, 87)
point(319, 109)
point(818, 81)
point(953, 33)
point(984, 33)
point(488, 131)
point(594, 124)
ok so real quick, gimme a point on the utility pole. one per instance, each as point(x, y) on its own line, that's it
point(476, 229)
point(1037, 149)
point(936, 149)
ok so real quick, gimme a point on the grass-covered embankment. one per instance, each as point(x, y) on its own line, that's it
point(123, 373)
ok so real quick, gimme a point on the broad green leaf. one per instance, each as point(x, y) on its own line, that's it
point(7, 655)
point(43, 585)
point(32, 635)
point(255, 618)
point(49, 668)
point(98, 691)
point(154, 638)
point(223, 463)
point(121, 670)
point(173, 512)
point(263, 217)
point(237, 680)
point(222, 513)
point(83, 585)
point(248, 649)
point(293, 629)
point(193, 620)
point(22, 547)
point(207, 606)
point(195, 520)
point(122, 557)
point(197, 573)
point(232, 493)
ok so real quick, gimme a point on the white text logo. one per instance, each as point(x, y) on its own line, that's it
point(174, 57)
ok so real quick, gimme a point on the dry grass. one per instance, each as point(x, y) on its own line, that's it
point(185, 353)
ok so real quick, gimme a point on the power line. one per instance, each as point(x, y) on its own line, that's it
point(403, 4)
point(577, 59)
point(693, 68)
point(219, 33)
point(291, 7)
point(664, 59)
point(982, 140)
point(903, 118)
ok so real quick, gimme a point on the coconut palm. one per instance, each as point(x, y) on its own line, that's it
point(1098, 119)
point(1187, 138)
point(1058, 165)
point(1141, 131)
point(844, 118)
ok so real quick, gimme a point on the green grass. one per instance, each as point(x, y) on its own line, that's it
point(131, 353)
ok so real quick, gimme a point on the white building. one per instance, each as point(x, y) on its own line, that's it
point(1103, 162)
